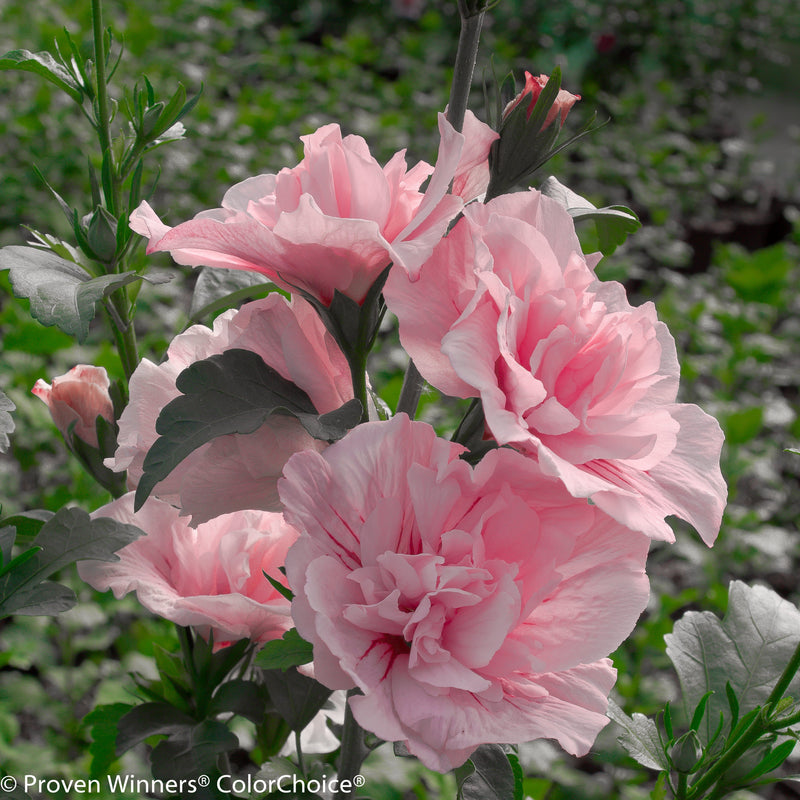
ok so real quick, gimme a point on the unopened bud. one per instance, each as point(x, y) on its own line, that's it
point(686, 753)
point(102, 234)
point(532, 89)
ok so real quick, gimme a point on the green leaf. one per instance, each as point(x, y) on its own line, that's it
point(296, 698)
point(749, 648)
point(733, 703)
point(149, 719)
point(492, 776)
point(743, 426)
point(660, 790)
point(224, 660)
point(219, 289)
point(45, 598)
point(760, 276)
point(17, 793)
point(190, 752)
point(16, 563)
point(697, 717)
point(45, 65)
point(68, 537)
point(28, 523)
point(613, 223)
point(103, 722)
point(6, 422)
point(640, 738)
point(61, 292)
point(519, 777)
point(284, 591)
point(353, 326)
point(231, 392)
point(242, 697)
point(772, 760)
point(290, 651)
point(7, 536)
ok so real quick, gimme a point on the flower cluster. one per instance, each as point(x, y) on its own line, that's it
point(468, 603)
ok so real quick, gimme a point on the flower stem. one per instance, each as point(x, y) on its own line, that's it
point(103, 118)
point(728, 758)
point(785, 679)
point(749, 736)
point(120, 321)
point(466, 55)
point(358, 374)
point(353, 751)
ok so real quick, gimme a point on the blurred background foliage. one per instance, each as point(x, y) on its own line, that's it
point(703, 142)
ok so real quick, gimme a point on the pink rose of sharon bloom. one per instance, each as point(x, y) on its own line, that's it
point(209, 577)
point(334, 221)
point(532, 89)
point(234, 472)
point(471, 178)
point(469, 606)
point(508, 309)
point(80, 397)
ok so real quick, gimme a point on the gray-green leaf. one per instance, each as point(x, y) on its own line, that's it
point(61, 292)
point(290, 651)
point(6, 422)
point(613, 223)
point(218, 289)
point(296, 697)
point(70, 536)
point(749, 648)
point(231, 392)
point(640, 738)
point(492, 777)
point(45, 65)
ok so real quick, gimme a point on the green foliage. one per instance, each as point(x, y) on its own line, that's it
point(735, 674)
point(613, 224)
point(232, 392)
point(278, 70)
point(490, 773)
point(747, 650)
point(219, 289)
point(46, 66)
point(104, 725)
point(296, 697)
point(756, 277)
point(641, 738)
point(69, 536)
point(62, 293)
point(6, 422)
point(289, 651)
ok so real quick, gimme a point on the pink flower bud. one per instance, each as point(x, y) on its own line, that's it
point(533, 88)
point(80, 396)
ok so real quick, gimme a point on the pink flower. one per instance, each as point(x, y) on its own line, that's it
point(533, 88)
point(210, 577)
point(472, 173)
point(80, 397)
point(334, 221)
point(508, 309)
point(235, 471)
point(469, 606)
